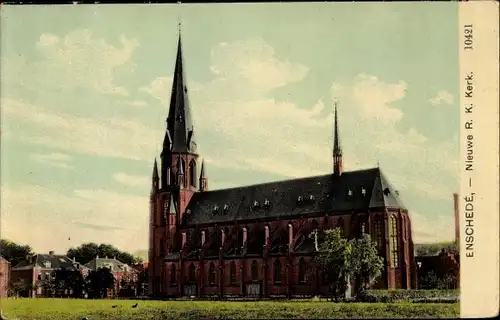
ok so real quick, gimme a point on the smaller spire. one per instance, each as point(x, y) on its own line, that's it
point(202, 174)
point(337, 151)
point(336, 140)
point(203, 177)
point(155, 171)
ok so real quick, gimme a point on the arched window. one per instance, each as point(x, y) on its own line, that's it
point(183, 171)
point(403, 228)
point(240, 240)
point(341, 226)
point(173, 274)
point(192, 273)
point(168, 177)
point(326, 223)
point(212, 273)
point(277, 272)
point(255, 270)
point(279, 242)
point(394, 237)
point(378, 235)
point(192, 173)
point(232, 272)
point(324, 277)
point(302, 270)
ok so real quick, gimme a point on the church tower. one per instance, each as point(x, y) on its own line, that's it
point(177, 180)
point(179, 158)
point(337, 151)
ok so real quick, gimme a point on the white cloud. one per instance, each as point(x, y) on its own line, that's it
point(254, 62)
point(132, 180)
point(159, 88)
point(50, 220)
point(78, 59)
point(114, 137)
point(53, 159)
point(372, 97)
point(442, 97)
point(138, 103)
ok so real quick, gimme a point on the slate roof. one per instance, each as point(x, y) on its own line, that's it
point(48, 261)
point(113, 264)
point(330, 193)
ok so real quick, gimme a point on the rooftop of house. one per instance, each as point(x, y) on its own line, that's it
point(48, 261)
point(113, 264)
point(353, 190)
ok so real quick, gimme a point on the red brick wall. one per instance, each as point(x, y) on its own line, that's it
point(4, 278)
point(400, 277)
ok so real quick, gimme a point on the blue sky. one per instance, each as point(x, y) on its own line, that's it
point(85, 89)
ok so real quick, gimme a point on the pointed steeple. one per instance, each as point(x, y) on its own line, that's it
point(203, 178)
point(155, 171)
point(337, 151)
point(179, 123)
point(156, 179)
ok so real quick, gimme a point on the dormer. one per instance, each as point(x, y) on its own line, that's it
point(363, 191)
point(226, 207)
point(387, 191)
point(256, 204)
point(311, 197)
point(267, 204)
point(215, 208)
point(349, 193)
point(300, 199)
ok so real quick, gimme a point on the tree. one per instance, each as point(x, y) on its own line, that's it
point(87, 252)
point(47, 286)
point(366, 264)
point(68, 282)
point(430, 280)
point(342, 261)
point(14, 252)
point(432, 249)
point(334, 260)
point(21, 288)
point(99, 281)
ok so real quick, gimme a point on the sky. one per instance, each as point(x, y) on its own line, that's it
point(85, 91)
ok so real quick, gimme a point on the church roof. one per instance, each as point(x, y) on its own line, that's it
point(354, 190)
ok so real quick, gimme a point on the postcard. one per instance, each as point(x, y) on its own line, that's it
point(236, 161)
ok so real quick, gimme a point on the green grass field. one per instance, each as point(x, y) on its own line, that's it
point(67, 309)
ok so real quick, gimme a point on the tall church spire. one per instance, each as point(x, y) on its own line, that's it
point(337, 151)
point(179, 123)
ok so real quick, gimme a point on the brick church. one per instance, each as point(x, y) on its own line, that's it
point(258, 240)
